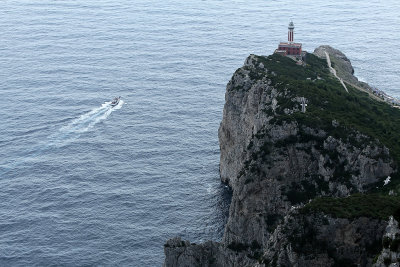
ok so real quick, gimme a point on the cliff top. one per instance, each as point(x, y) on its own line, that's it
point(326, 99)
point(311, 185)
point(331, 109)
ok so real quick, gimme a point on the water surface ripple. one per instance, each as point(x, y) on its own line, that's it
point(81, 184)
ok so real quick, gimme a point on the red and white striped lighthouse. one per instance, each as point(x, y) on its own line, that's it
point(290, 32)
point(289, 48)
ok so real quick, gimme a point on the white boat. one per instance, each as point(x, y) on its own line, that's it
point(115, 101)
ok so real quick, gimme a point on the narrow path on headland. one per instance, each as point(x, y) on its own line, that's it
point(333, 71)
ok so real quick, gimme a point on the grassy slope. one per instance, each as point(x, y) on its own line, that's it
point(327, 101)
point(369, 205)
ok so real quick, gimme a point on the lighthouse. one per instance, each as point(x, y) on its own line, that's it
point(290, 32)
point(290, 48)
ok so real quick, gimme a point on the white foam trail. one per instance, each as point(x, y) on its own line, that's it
point(84, 123)
point(70, 132)
point(88, 120)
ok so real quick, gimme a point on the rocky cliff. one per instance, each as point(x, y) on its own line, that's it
point(307, 184)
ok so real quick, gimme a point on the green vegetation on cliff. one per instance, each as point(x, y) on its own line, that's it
point(328, 101)
point(358, 205)
point(339, 113)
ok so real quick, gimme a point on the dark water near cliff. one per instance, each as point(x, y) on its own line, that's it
point(83, 184)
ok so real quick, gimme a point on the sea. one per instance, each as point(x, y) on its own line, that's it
point(85, 184)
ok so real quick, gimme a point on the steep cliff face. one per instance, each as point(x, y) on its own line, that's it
point(320, 240)
point(273, 161)
point(277, 159)
point(390, 254)
point(183, 254)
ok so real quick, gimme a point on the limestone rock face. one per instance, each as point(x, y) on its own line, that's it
point(275, 166)
point(239, 121)
point(390, 254)
point(182, 253)
point(266, 162)
point(320, 240)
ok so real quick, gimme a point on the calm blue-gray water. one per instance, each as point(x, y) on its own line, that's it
point(84, 184)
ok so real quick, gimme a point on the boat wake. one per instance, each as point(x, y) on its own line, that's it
point(66, 134)
point(86, 121)
point(83, 123)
